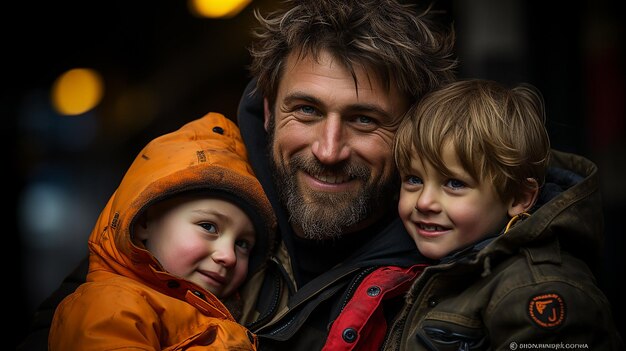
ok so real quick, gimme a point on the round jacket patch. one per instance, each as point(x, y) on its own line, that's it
point(547, 310)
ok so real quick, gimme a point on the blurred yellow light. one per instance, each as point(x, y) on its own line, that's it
point(77, 91)
point(217, 8)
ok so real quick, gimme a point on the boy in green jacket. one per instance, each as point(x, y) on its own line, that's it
point(511, 271)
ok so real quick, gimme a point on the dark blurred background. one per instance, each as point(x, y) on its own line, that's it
point(163, 66)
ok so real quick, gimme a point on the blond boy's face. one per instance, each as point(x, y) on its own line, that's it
point(204, 240)
point(443, 214)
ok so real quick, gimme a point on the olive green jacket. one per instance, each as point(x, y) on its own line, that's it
point(530, 288)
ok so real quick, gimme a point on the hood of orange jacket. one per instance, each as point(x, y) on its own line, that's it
point(206, 154)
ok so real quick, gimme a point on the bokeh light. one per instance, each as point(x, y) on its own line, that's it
point(217, 8)
point(77, 91)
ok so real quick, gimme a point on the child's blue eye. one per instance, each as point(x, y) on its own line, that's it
point(413, 180)
point(455, 184)
point(209, 227)
point(244, 245)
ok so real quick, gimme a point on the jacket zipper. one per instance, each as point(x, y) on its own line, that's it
point(397, 328)
point(352, 288)
point(399, 325)
point(277, 288)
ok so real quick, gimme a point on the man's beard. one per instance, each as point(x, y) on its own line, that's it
point(324, 215)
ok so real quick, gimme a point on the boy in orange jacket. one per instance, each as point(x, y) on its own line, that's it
point(178, 235)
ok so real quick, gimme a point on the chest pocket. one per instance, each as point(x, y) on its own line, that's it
point(447, 336)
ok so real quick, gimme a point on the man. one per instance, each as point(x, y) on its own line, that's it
point(336, 78)
point(333, 80)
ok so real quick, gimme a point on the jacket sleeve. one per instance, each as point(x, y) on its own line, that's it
point(104, 317)
point(556, 313)
point(37, 335)
point(116, 316)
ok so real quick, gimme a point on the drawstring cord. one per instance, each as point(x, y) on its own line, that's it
point(518, 217)
point(512, 221)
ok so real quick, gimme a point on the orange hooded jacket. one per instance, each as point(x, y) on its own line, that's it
point(129, 301)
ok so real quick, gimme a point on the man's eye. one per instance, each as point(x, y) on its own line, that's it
point(306, 113)
point(209, 227)
point(365, 120)
point(308, 110)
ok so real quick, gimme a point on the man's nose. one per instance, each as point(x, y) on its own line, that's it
point(330, 145)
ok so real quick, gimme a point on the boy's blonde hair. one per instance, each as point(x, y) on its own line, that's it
point(497, 133)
